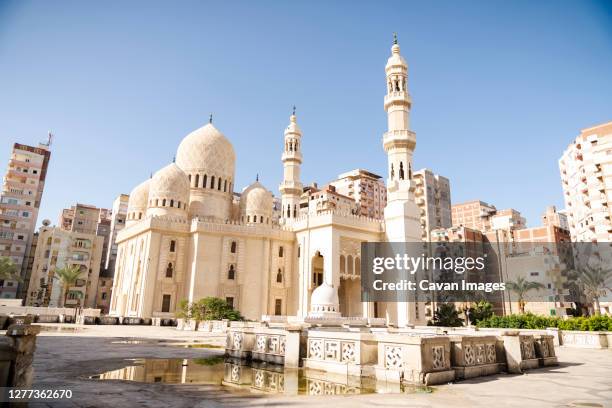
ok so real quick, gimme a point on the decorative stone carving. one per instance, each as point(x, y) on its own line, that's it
point(393, 357)
point(491, 354)
point(332, 350)
point(235, 373)
point(527, 349)
point(437, 353)
point(480, 354)
point(468, 355)
point(315, 349)
point(281, 346)
point(348, 352)
point(260, 344)
point(237, 340)
point(259, 379)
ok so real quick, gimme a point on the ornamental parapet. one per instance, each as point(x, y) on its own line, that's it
point(334, 217)
point(399, 138)
point(214, 225)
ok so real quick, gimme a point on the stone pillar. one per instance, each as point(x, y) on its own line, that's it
point(292, 348)
point(22, 338)
point(512, 347)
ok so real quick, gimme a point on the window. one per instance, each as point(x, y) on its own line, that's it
point(169, 270)
point(230, 301)
point(166, 303)
point(233, 247)
point(103, 295)
point(317, 279)
point(171, 203)
point(281, 250)
point(172, 246)
point(278, 307)
point(279, 276)
point(231, 273)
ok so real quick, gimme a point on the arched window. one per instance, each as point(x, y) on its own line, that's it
point(279, 276)
point(197, 180)
point(225, 186)
point(349, 264)
point(219, 184)
point(172, 245)
point(288, 210)
point(169, 270)
point(357, 266)
point(204, 180)
point(281, 251)
point(392, 171)
point(231, 273)
point(164, 202)
point(233, 247)
point(248, 218)
point(261, 219)
point(157, 202)
point(139, 216)
point(299, 250)
point(178, 205)
point(212, 182)
point(401, 171)
point(189, 176)
point(342, 264)
point(409, 171)
point(294, 210)
point(171, 203)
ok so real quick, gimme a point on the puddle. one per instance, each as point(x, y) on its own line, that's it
point(60, 329)
point(236, 375)
point(175, 343)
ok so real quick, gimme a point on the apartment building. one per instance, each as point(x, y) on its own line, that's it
point(366, 188)
point(433, 198)
point(117, 223)
point(586, 178)
point(315, 200)
point(22, 191)
point(486, 217)
point(57, 248)
point(554, 229)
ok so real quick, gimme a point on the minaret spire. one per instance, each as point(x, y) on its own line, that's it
point(395, 38)
point(291, 187)
point(210, 118)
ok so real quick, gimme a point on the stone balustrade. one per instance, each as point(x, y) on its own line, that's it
point(271, 345)
point(344, 352)
point(476, 356)
point(419, 359)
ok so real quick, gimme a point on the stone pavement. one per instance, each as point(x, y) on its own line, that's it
point(65, 360)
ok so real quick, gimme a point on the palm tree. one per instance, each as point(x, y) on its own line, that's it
point(594, 281)
point(68, 275)
point(521, 287)
point(8, 269)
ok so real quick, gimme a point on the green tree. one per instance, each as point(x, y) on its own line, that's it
point(68, 275)
point(8, 269)
point(594, 281)
point(482, 310)
point(521, 286)
point(447, 315)
point(212, 308)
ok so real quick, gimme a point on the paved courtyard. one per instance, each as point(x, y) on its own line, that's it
point(65, 360)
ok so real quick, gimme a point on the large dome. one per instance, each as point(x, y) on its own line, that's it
point(169, 188)
point(207, 151)
point(137, 203)
point(256, 202)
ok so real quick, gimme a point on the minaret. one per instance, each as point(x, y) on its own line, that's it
point(401, 213)
point(402, 222)
point(291, 187)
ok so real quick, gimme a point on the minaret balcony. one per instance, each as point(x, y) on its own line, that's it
point(399, 138)
point(289, 156)
point(290, 187)
point(397, 97)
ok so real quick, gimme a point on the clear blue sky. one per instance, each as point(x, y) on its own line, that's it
point(499, 88)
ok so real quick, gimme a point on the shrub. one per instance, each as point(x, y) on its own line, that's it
point(208, 308)
point(531, 321)
point(447, 316)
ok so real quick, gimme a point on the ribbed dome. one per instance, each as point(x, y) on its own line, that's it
point(170, 183)
point(256, 199)
point(137, 203)
point(207, 151)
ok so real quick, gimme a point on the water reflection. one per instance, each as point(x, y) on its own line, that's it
point(254, 377)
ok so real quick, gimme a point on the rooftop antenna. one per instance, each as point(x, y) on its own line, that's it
point(293, 110)
point(49, 140)
point(210, 118)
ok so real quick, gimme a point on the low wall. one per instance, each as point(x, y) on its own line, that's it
point(585, 339)
point(55, 311)
point(16, 355)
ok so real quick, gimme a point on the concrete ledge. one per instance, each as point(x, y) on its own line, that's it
point(440, 377)
point(464, 373)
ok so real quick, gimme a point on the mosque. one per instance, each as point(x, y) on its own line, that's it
point(188, 236)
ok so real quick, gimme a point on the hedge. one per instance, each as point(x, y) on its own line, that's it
point(531, 321)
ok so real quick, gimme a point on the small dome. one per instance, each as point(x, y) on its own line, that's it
point(171, 183)
point(293, 126)
point(256, 200)
point(207, 151)
point(324, 296)
point(137, 203)
point(396, 59)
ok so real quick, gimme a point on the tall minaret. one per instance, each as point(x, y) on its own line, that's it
point(401, 213)
point(402, 222)
point(291, 187)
